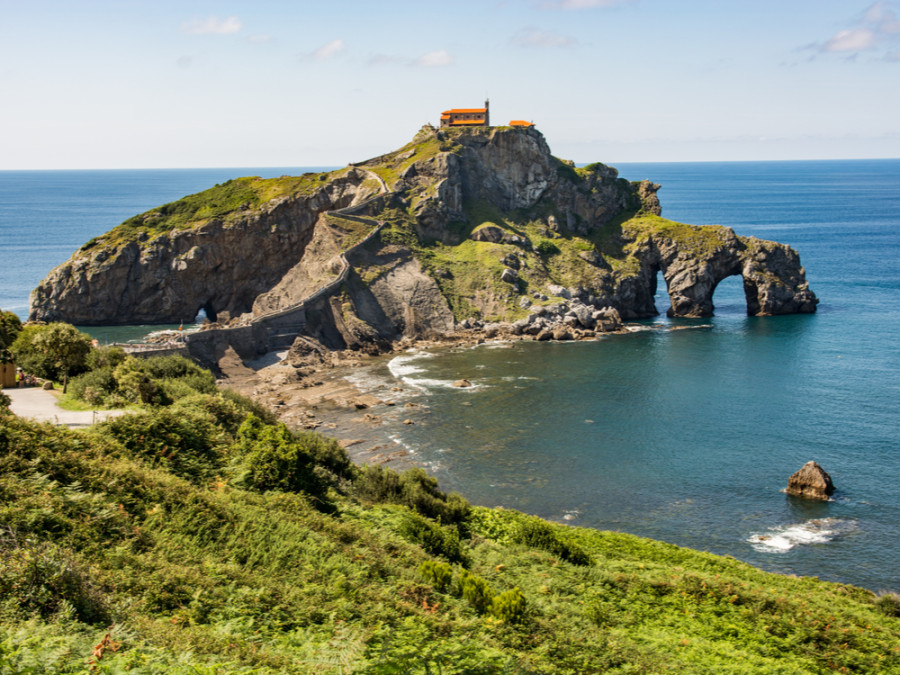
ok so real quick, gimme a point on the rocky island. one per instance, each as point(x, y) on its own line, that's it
point(463, 229)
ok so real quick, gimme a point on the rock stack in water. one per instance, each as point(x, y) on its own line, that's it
point(811, 481)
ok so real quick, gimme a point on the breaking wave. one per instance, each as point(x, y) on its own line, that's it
point(786, 537)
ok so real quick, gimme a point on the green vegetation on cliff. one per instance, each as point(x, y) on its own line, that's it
point(226, 201)
point(202, 536)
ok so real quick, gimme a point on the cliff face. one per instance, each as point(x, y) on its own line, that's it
point(219, 264)
point(472, 223)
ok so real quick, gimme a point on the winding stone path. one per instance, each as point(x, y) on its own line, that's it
point(39, 405)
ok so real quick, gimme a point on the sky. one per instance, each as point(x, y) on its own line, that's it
point(231, 83)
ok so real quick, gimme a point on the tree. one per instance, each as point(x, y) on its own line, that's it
point(9, 329)
point(52, 351)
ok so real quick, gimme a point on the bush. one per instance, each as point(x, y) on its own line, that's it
point(4, 401)
point(105, 357)
point(9, 329)
point(546, 247)
point(225, 413)
point(273, 458)
point(413, 488)
point(434, 539)
point(889, 604)
point(438, 574)
point(43, 580)
point(248, 405)
point(475, 590)
point(539, 534)
point(94, 386)
point(134, 383)
point(173, 389)
point(184, 442)
point(160, 380)
point(509, 606)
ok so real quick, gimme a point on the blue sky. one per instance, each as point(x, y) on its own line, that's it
point(196, 83)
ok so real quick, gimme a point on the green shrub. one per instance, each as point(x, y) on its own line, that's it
point(509, 606)
point(546, 247)
point(274, 458)
point(378, 485)
point(540, 534)
point(4, 401)
point(475, 590)
point(43, 580)
point(185, 442)
point(413, 488)
point(174, 389)
point(94, 386)
point(248, 405)
point(135, 384)
point(438, 574)
point(889, 604)
point(226, 414)
point(327, 453)
point(105, 357)
point(174, 366)
point(434, 539)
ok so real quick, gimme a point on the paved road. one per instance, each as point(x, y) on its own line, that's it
point(37, 404)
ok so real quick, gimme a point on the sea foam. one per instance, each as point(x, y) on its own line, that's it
point(786, 537)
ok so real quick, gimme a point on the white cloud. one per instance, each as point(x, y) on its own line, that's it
point(876, 28)
point(434, 59)
point(532, 37)
point(883, 16)
point(260, 39)
point(212, 25)
point(850, 41)
point(329, 50)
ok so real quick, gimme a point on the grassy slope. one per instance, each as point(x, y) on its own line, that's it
point(197, 574)
point(230, 199)
point(553, 257)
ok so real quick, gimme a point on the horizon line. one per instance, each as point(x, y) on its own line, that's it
point(334, 167)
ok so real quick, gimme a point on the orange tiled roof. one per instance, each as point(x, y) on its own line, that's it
point(520, 123)
point(464, 110)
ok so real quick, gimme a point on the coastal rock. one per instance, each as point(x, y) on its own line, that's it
point(348, 260)
point(811, 482)
point(509, 275)
point(462, 384)
point(489, 233)
point(220, 266)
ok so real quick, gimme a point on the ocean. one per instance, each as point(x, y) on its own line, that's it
point(681, 430)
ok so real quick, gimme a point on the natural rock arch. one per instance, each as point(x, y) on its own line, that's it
point(773, 279)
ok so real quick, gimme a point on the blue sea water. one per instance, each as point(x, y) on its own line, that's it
point(685, 430)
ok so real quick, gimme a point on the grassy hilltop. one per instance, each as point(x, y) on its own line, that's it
point(200, 536)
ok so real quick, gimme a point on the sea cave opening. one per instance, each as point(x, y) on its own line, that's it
point(205, 312)
point(728, 297)
point(660, 292)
